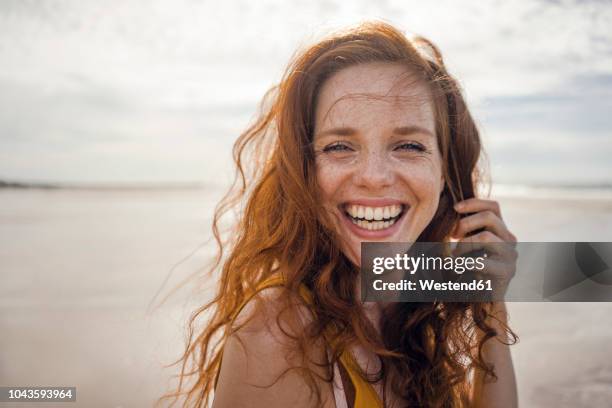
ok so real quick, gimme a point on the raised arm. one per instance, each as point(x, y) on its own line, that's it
point(483, 226)
point(503, 391)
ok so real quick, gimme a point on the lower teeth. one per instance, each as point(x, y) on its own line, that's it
point(373, 225)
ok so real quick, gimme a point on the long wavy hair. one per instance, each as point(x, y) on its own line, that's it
point(429, 351)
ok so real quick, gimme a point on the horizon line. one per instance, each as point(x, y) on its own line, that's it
point(152, 185)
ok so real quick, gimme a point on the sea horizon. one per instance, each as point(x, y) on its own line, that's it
point(553, 190)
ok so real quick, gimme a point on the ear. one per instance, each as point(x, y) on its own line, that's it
point(442, 184)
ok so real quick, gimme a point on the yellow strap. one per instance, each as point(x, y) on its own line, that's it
point(365, 395)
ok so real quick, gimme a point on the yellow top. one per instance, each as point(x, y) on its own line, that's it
point(365, 395)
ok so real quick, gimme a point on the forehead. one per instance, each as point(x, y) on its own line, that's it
point(365, 91)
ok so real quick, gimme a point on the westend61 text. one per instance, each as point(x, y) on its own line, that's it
point(430, 284)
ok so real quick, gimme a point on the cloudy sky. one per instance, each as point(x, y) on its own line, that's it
point(157, 91)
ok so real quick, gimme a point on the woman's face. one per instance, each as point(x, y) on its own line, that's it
point(378, 164)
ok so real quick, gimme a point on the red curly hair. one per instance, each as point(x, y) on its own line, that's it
point(428, 350)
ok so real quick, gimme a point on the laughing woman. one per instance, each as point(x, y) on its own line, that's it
point(366, 138)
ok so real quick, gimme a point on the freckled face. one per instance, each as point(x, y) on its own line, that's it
point(378, 164)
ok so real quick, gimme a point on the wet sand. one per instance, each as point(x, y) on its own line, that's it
point(79, 270)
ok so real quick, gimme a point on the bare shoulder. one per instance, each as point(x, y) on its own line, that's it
point(263, 364)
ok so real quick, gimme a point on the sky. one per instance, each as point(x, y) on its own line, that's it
point(157, 91)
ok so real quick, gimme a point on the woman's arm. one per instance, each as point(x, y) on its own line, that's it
point(484, 227)
point(503, 392)
point(259, 363)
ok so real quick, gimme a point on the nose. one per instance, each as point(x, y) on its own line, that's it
point(374, 171)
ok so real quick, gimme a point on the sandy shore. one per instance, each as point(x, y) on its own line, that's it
point(80, 268)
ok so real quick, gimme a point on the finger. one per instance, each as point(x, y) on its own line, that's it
point(492, 246)
point(473, 205)
point(500, 257)
point(484, 237)
point(483, 241)
point(487, 220)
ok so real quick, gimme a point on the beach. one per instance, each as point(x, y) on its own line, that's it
point(84, 272)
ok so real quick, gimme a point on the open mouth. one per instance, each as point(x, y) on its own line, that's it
point(374, 218)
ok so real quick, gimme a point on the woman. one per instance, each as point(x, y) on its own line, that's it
point(366, 138)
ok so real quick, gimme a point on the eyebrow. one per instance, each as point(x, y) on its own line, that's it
point(401, 130)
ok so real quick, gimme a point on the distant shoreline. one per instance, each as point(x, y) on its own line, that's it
point(535, 190)
point(101, 186)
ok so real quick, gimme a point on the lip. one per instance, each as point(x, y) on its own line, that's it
point(377, 234)
point(374, 202)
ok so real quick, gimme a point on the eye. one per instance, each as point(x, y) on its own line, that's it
point(411, 146)
point(336, 147)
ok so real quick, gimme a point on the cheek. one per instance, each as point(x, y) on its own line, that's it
point(329, 178)
point(425, 184)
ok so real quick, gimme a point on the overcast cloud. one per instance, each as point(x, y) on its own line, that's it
point(157, 91)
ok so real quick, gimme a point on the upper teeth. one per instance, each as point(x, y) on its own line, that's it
point(374, 213)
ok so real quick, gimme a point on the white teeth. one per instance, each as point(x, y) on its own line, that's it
point(374, 213)
point(373, 225)
point(373, 218)
point(360, 212)
point(378, 213)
